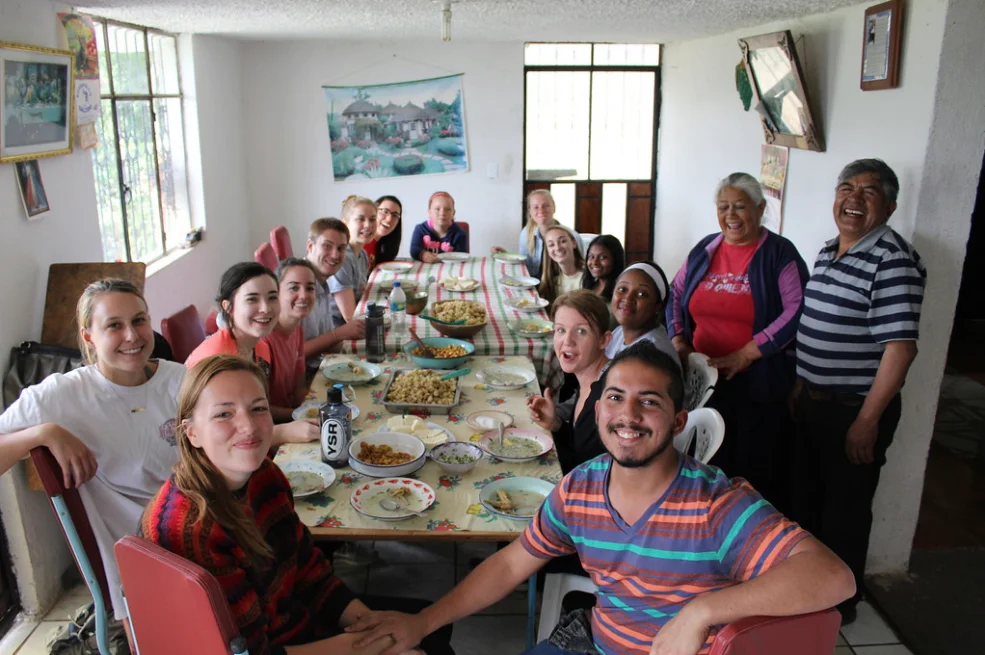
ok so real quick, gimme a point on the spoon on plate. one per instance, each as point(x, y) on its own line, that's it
point(391, 505)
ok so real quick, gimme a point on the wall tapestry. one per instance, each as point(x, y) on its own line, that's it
point(405, 128)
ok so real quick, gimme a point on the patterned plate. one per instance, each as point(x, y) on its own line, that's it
point(418, 497)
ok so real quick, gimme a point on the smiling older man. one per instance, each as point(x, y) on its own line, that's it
point(857, 339)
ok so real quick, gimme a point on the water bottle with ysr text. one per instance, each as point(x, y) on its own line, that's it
point(398, 309)
point(336, 428)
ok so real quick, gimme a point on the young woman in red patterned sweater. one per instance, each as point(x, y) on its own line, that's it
point(229, 509)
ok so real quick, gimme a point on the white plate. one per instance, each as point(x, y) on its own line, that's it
point(545, 440)
point(326, 472)
point(520, 326)
point(529, 485)
point(505, 377)
point(342, 372)
point(519, 282)
point(460, 284)
point(453, 256)
point(488, 419)
point(531, 304)
point(300, 412)
point(428, 443)
point(510, 257)
point(395, 266)
point(364, 499)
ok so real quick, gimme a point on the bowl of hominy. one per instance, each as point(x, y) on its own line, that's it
point(473, 313)
point(448, 353)
point(421, 389)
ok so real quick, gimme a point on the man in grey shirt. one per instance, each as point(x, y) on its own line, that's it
point(328, 239)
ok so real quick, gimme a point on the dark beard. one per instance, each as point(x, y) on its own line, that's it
point(635, 463)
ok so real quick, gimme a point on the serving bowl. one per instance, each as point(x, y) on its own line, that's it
point(523, 484)
point(490, 440)
point(439, 342)
point(458, 331)
point(416, 301)
point(397, 441)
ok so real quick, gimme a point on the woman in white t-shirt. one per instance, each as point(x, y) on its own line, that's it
point(563, 268)
point(110, 425)
point(638, 306)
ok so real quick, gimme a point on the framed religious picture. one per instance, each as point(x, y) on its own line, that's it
point(32, 188)
point(779, 93)
point(881, 37)
point(35, 102)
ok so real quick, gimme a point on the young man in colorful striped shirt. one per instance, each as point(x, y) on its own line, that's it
point(674, 547)
point(855, 344)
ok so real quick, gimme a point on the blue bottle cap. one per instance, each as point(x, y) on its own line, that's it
point(396, 284)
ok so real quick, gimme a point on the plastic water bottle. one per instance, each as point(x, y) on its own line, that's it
point(336, 428)
point(398, 309)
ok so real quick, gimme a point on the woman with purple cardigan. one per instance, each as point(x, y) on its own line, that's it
point(738, 299)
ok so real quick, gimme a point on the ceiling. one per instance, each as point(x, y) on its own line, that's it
point(477, 20)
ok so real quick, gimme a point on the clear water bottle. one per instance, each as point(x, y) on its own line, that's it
point(375, 334)
point(336, 428)
point(398, 309)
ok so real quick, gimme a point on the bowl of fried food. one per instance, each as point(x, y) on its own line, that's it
point(471, 314)
point(445, 352)
point(421, 389)
point(384, 454)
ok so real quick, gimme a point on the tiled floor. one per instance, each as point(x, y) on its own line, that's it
point(428, 570)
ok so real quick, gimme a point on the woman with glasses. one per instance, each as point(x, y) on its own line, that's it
point(389, 231)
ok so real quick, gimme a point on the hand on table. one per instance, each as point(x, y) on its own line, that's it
point(496, 249)
point(860, 441)
point(734, 363)
point(429, 257)
point(353, 329)
point(77, 461)
point(684, 634)
point(301, 431)
point(543, 411)
point(406, 630)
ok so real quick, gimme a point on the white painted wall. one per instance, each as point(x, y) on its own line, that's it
point(70, 233)
point(289, 166)
point(705, 135)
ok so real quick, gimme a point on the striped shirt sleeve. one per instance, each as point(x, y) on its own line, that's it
point(548, 536)
point(755, 537)
point(896, 299)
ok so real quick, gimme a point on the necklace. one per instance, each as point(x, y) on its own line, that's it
point(148, 373)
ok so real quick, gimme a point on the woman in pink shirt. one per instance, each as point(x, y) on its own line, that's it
point(296, 288)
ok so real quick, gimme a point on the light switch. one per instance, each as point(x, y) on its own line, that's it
point(492, 171)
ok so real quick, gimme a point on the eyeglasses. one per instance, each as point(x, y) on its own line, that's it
point(387, 212)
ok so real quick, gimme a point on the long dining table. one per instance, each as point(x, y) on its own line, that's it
point(457, 514)
point(496, 338)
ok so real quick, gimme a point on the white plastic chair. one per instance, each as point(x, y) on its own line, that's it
point(704, 425)
point(699, 381)
point(707, 427)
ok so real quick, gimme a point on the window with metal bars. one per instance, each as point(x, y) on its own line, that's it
point(590, 131)
point(139, 165)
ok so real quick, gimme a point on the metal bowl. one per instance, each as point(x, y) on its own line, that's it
point(416, 301)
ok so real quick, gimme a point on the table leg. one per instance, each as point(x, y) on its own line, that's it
point(531, 610)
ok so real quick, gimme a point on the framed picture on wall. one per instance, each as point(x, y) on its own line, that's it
point(35, 102)
point(779, 92)
point(881, 38)
point(32, 188)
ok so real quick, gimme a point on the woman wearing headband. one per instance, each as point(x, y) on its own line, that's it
point(637, 305)
point(738, 299)
point(438, 233)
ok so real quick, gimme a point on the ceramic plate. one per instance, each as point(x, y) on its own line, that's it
point(395, 267)
point(460, 284)
point(488, 419)
point(370, 472)
point(526, 304)
point(352, 372)
point(310, 410)
point(519, 282)
point(421, 432)
point(532, 328)
point(453, 256)
point(416, 495)
point(505, 377)
point(306, 477)
point(510, 257)
point(530, 492)
point(490, 441)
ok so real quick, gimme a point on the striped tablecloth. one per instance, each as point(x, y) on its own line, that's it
point(496, 339)
point(457, 515)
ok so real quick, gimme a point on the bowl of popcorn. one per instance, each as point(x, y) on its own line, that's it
point(444, 352)
point(469, 317)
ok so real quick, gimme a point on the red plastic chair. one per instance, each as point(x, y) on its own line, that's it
point(280, 239)
point(211, 323)
point(806, 634)
point(184, 331)
point(265, 255)
point(463, 225)
point(175, 606)
point(74, 521)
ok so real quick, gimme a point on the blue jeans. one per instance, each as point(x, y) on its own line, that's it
point(547, 648)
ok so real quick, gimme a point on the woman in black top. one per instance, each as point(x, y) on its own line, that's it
point(581, 333)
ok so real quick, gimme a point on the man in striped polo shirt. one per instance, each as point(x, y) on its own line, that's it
point(674, 547)
point(856, 341)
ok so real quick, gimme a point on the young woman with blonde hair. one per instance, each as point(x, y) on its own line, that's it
point(110, 424)
point(230, 509)
point(349, 283)
point(540, 217)
point(439, 233)
point(563, 268)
